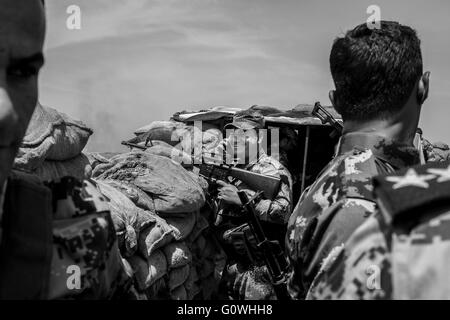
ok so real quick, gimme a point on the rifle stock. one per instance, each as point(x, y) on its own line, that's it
point(258, 182)
point(273, 253)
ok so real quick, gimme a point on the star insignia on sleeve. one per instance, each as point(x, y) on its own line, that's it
point(443, 174)
point(411, 179)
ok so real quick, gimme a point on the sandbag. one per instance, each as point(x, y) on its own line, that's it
point(211, 114)
point(209, 287)
point(154, 237)
point(178, 276)
point(139, 197)
point(148, 272)
point(171, 132)
point(171, 187)
point(177, 255)
point(96, 158)
point(436, 152)
point(202, 182)
point(171, 153)
point(77, 167)
point(51, 135)
point(199, 246)
point(193, 291)
point(158, 290)
point(128, 219)
point(179, 293)
point(212, 137)
point(206, 269)
point(192, 284)
point(265, 110)
point(182, 226)
point(201, 225)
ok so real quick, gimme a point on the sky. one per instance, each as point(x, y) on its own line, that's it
point(137, 61)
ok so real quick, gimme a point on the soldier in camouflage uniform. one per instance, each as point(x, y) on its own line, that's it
point(379, 129)
point(57, 240)
point(246, 276)
point(401, 252)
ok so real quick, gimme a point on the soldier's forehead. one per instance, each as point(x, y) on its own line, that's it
point(22, 25)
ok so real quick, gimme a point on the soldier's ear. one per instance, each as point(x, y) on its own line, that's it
point(332, 96)
point(423, 88)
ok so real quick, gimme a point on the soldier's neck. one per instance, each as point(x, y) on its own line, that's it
point(400, 131)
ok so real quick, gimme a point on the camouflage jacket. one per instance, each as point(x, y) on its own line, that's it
point(243, 277)
point(278, 209)
point(58, 242)
point(338, 202)
point(403, 250)
point(275, 210)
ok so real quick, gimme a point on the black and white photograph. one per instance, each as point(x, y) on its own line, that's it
point(214, 158)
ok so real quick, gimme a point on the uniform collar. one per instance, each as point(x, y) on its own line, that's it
point(397, 154)
point(260, 157)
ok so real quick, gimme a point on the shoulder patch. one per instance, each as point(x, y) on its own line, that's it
point(416, 190)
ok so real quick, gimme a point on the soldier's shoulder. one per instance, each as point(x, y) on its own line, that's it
point(414, 192)
point(351, 173)
point(270, 165)
point(84, 196)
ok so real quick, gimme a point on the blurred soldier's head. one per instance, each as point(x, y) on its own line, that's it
point(22, 30)
point(378, 75)
point(242, 136)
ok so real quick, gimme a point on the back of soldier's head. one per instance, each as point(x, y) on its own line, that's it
point(375, 71)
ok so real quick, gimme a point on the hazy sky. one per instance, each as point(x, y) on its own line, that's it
point(136, 61)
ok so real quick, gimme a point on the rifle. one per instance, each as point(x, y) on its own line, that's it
point(326, 118)
point(134, 145)
point(213, 172)
point(273, 253)
point(258, 182)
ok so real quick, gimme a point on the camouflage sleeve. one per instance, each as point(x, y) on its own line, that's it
point(323, 238)
point(85, 243)
point(359, 270)
point(278, 209)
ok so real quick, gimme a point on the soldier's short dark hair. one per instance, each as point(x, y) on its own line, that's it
point(375, 71)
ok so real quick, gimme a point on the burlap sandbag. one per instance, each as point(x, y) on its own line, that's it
point(128, 219)
point(171, 153)
point(51, 135)
point(77, 167)
point(148, 272)
point(171, 187)
point(171, 132)
point(212, 137)
point(199, 246)
point(154, 237)
point(192, 284)
point(177, 255)
point(182, 225)
point(206, 268)
point(179, 293)
point(201, 225)
point(158, 290)
point(178, 276)
point(139, 197)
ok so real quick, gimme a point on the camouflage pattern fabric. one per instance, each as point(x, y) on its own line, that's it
point(278, 209)
point(338, 202)
point(403, 250)
point(85, 244)
point(249, 283)
point(242, 276)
